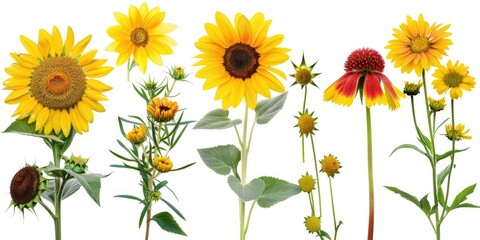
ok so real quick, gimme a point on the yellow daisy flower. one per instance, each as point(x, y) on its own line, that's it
point(418, 45)
point(55, 84)
point(162, 109)
point(137, 135)
point(330, 165)
point(142, 34)
point(238, 59)
point(454, 77)
point(162, 164)
point(312, 224)
point(460, 132)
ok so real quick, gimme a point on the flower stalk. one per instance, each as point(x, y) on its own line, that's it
point(371, 194)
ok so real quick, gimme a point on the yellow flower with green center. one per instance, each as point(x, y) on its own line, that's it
point(306, 123)
point(417, 45)
point(55, 84)
point(454, 77)
point(307, 183)
point(239, 59)
point(330, 165)
point(460, 132)
point(162, 109)
point(162, 164)
point(313, 224)
point(412, 89)
point(26, 187)
point(436, 105)
point(137, 135)
point(142, 34)
point(303, 73)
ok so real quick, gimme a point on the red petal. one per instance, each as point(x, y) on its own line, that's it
point(347, 84)
point(372, 88)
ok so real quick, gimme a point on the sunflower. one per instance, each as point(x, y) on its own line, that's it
point(26, 187)
point(364, 69)
point(454, 77)
point(162, 164)
point(418, 45)
point(238, 59)
point(141, 34)
point(55, 83)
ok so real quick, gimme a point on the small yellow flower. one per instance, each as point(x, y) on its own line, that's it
point(330, 165)
point(412, 89)
point(459, 132)
point(312, 224)
point(454, 77)
point(307, 183)
point(137, 135)
point(162, 109)
point(303, 74)
point(436, 105)
point(162, 164)
point(306, 123)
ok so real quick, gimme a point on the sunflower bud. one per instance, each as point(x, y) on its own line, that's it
point(307, 183)
point(76, 163)
point(412, 89)
point(162, 109)
point(312, 224)
point(153, 196)
point(177, 73)
point(162, 164)
point(137, 135)
point(436, 105)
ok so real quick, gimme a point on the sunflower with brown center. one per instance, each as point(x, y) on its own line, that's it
point(238, 59)
point(26, 187)
point(55, 84)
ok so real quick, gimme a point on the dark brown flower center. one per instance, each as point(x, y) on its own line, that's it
point(139, 37)
point(24, 185)
point(241, 60)
point(58, 83)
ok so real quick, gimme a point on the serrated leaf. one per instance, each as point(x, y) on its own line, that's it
point(268, 108)
point(248, 192)
point(449, 153)
point(405, 195)
point(166, 221)
point(221, 159)
point(22, 127)
point(411, 146)
point(462, 196)
point(276, 190)
point(216, 119)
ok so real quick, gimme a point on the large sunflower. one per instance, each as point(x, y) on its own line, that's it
point(238, 59)
point(55, 84)
point(418, 45)
point(141, 34)
point(454, 77)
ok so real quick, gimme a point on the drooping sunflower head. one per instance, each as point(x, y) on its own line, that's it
point(26, 187)
point(137, 135)
point(365, 60)
point(417, 45)
point(436, 105)
point(454, 77)
point(313, 224)
point(238, 59)
point(412, 89)
point(162, 164)
point(330, 165)
point(307, 183)
point(303, 73)
point(142, 34)
point(459, 133)
point(162, 109)
point(306, 123)
point(55, 83)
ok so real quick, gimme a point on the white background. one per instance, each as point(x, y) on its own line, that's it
point(326, 31)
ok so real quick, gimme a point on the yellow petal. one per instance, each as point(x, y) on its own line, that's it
point(86, 111)
point(154, 55)
point(56, 121)
point(123, 20)
point(94, 95)
point(69, 41)
point(98, 72)
point(48, 126)
point(135, 17)
point(44, 39)
point(141, 58)
point(16, 83)
point(244, 29)
point(97, 85)
point(36, 110)
point(94, 64)
point(226, 28)
point(97, 107)
point(87, 57)
point(31, 47)
point(270, 43)
point(57, 42)
point(80, 46)
point(65, 122)
point(41, 118)
point(16, 94)
point(250, 94)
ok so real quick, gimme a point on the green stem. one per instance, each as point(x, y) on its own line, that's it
point(249, 215)
point(452, 158)
point(312, 203)
point(316, 175)
point(431, 130)
point(128, 70)
point(303, 137)
point(333, 208)
point(303, 148)
point(149, 211)
point(57, 220)
point(304, 100)
point(244, 156)
point(371, 219)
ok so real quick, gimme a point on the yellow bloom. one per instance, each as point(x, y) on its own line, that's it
point(303, 73)
point(55, 83)
point(142, 34)
point(436, 105)
point(312, 224)
point(238, 59)
point(330, 165)
point(412, 89)
point(306, 123)
point(162, 164)
point(418, 45)
point(137, 135)
point(162, 109)
point(459, 132)
point(307, 183)
point(454, 77)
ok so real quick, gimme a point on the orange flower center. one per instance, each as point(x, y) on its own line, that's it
point(453, 79)
point(419, 44)
point(57, 83)
point(139, 37)
point(241, 60)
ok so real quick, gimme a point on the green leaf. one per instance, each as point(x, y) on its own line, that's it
point(449, 153)
point(129, 197)
point(22, 127)
point(425, 205)
point(71, 187)
point(411, 146)
point(173, 208)
point(424, 140)
point(276, 190)
point(443, 174)
point(467, 205)
point(441, 197)
point(462, 196)
point(248, 192)
point(268, 108)
point(181, 168)
point(324, 234)
point(405, 195)
point(216, 119)
point(142, 214)
point(221, 158)
point(166, 221)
